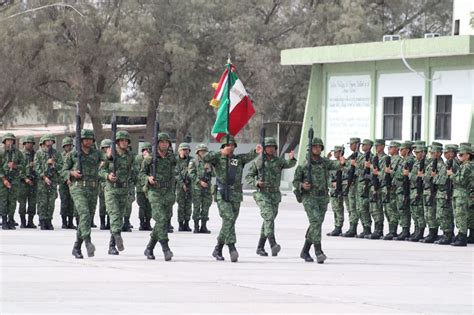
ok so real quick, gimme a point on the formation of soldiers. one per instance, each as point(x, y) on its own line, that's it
point(399, 185)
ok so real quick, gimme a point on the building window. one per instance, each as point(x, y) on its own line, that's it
point(392, 117)
point(416, 118)
point(443, 117)
point(456, 27)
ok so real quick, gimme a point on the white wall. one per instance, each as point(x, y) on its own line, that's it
point(404, 85)
point(462, 10)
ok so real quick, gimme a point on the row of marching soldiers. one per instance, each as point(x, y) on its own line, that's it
point(411, 182)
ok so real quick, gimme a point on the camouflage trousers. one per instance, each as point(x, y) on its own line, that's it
point(363, 207)
point(417, 212)
point(46, 198)
point(228, 211)
point(184, 200)
point(444, 215)
point(85, 202)
point(376, 208)
point(67, 205)
point(8, 199)
point(27, 199)
point(461, 213)
point(268, 203)
point(116, 202)
point(352, 204)
point(130, 200)
point(161, 201)
point(470, 219)
point(337, 205)
point(404, 214)
point(102, 206)
point(202, 201)
point(430, 213)
point(315, 208)
point(389, 201)
point(144, 208)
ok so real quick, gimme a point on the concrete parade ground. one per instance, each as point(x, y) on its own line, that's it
point(39, 274)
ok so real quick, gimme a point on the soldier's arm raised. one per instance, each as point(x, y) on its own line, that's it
point(252, 175)
point(212, 157)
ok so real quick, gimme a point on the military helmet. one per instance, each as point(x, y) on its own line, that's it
point(184, 146)
point(9, 136)
point(46, 138)
point(67, 141)
point(146, 146)
point(338, 148)
point(164, 136)
point(231, 141)
point(122, 135)
point(87, 134)
point(28, 139)
point(270, 142)
point(106, 143)
point(201, 147)
point(318, 141)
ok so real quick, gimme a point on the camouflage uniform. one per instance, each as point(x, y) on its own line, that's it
point(67, 205)
point(228, 209)
point(144, 208)
point(363, 204)
point(416, 206)
point(83, 190)
point(202, 197)
point(14, 176)
point(351, 193)
point(27, 194)
point(132, 181)
point(117, 193)
point(268, 197)
point(104, 224)
point(183, 198)
point(161, 196)
point(47, 194)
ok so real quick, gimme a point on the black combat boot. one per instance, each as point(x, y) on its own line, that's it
point(89, 246)
point(234, 254)
point(30, 224)
point(415, 233)
point(168, 254)
point(49, 224)
point(23, 221)
point(64, 222)
point(446, 239)
point(41, 224)
point(181, 226)
point(186, 226)
point(142, 226)
point(70, 223)
point(365, 232)
point(118, 241)
point(11, 223)
point(320, 257)
point(261, 246)
point(5, 222)
point(107, 225)
point(170, 227)
point(76, 250)
point(204, 228)
point(352, 232)
point(196, 226)
point(148, 224)
point(470, 239)
point(92, 223)
point(305, 252)
point(102, 222)
point(274, 246)
point(461, 240)
point(336, 232)
point(112, 249)
point(416, 237)
point(432, 236)
point(392, 233)
point(126, 225)
point(378, 232)
point(149, 249)
point(217, 253)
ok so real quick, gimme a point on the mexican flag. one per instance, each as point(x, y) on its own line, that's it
point(241, 108)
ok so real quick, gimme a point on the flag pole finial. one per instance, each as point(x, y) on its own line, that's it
point(228, 58)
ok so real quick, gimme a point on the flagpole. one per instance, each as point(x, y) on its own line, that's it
point(226, 187)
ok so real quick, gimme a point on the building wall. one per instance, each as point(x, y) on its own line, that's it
point(462, 10)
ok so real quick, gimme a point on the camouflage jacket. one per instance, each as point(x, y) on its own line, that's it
point(273, 167)
point(165, 172)
point(182, 176)
point(428, 179)
point(199, 170)
point(320, 168)
point(29, 165)
point(333, 178)
point(462, 180)
point(440, 179)
point(51, 171)
point(16, 174)
point(360, 167)
point(90, 166)
point(126, 171)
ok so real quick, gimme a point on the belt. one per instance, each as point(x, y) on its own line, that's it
point(84, 183)
point(162, 184)
point(118, 184)
point(270, 189)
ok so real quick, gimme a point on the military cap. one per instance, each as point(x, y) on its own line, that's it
point(184, 146)
point(467, 144)
point(28, 139)
point(451, 147)
point(67, 141)
point(420, 142)
point(419, 148)
point(122, 135)
point(9, 136)
point(338, 148)
point(368, 141)
point(395, 144)
point(231, 140)
point(106, 143)
point(87, 134)
point(318, 141)
point(379, 142)
point(406, 145)
point(201, 147)
point(465, 149)
point(436, 148)
point(146, 146)
point(439, 144)
point(270, 142)
point(354, 140)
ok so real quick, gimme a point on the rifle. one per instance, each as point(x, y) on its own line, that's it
point(351, 173)
point(449, 186)
point(338, 191)
point(31, 172)
point(430, 202)
point(365, 193)
point(51, 167)
point(262, 140)
point(207, 176)
point(114, 144)
point(419, 184)
point(185, 178)
point(406, 186)
point(309, 176)
point(78, 140)
point(388, 180)
point(10, 170)
point(375, 180)
point(154, 152)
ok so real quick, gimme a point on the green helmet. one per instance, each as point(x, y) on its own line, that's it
point(201, 147)
point(231, 141)
point(122, 135)
point(46, 138)
point(163, 136)
point(318, 141)
point(184, 146)
point(28, 139)
point(67, 141)
point(146, 146)
point(270, 142)
point(87, 134)
point(106, 143)
point(9, 136)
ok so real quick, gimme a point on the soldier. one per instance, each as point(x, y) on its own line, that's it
point(144, 208)
point(337, 197)
point(363, 175)
point(267, 194)
point(117, 187)
point(314, 196)
point(103, 216)
point(83, 187)
point(29, 185)
point(416, 207)
point(132, 181)
point(13, 173)
point(389, 189)
point(470, 239)
point(463, 183)
point(430, 188)
point(183, 188)
point(201, 175)
point(160, 193)
point(67, 205)
point(351, 192)
point(229, 209)
point(48, 163)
